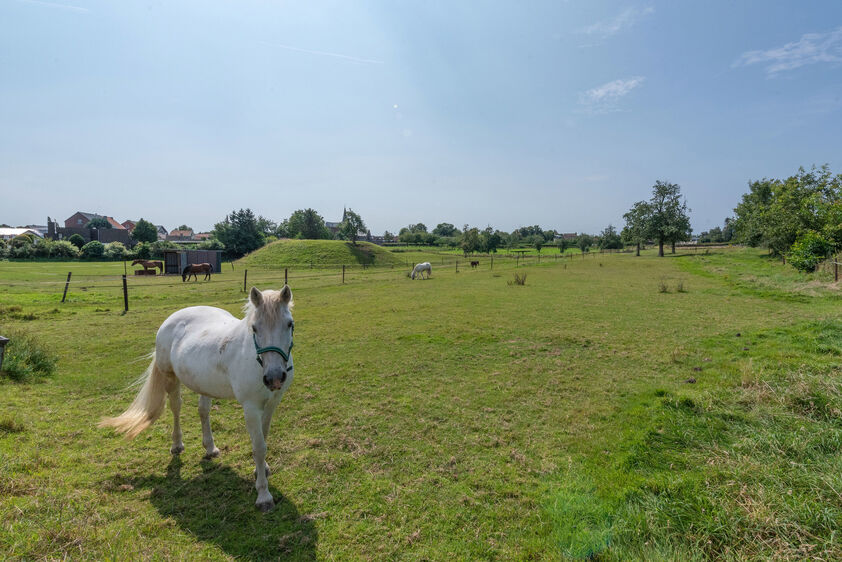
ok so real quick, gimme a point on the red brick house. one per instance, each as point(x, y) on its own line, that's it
point(80, 219)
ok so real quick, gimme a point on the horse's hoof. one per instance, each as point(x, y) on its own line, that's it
point(177, 449)
point(265, 506)
point(213, 454)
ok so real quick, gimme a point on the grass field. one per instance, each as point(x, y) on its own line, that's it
point(686, 407)
point(319, 253)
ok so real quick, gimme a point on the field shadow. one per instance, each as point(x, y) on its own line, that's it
point(217, 506)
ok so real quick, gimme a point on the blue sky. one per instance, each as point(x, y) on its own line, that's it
point(557, 113)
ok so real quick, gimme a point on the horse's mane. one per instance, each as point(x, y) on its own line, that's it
point(270, 308)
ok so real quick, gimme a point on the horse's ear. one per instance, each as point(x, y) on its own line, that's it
point(255, 296)
point(286, 294)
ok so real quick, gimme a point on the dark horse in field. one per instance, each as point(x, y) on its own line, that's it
point(147, 265)
point(195, 268)
point(474, 264)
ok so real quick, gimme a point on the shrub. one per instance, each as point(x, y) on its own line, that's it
point(42, 248)
point(519, 279)
point(115, 251)
point(810, 249)
point(77, 241)
point(25, 359)
point(214, 244)
point(143, 251)
point(159, 247)
point(93, 250)
point(663, 287)
point(22, 251)
point(63, 249)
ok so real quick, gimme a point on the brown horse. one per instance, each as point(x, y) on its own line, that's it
point(195, 268)
point(474, 264)
point(147, 265)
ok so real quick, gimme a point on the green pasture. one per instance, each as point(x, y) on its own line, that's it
point(613, 407)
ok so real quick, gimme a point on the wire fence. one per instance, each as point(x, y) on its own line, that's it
point(125, 288)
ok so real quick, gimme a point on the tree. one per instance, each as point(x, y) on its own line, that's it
point(637, 219)
point(470, 240)
point(145, 231)
point(76, 240)
point(307, 224)
point(63, 249)
point(183, 227)
point(239, 233)
point(609, 239)
point(419, 227)
point(388, 236)
point(351, 225)
point(584, 242)
point(99, 222)
point(537, 241)
point(668, 220)
point(266, 226)
point(445, 229)
point(563, 244)
point(490, 240)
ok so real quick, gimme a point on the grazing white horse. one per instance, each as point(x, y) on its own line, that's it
point(220, 356)
point(421, 268)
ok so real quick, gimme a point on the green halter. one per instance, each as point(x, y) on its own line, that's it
point(260, 350)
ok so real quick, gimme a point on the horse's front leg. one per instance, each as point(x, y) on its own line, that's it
point(254, 424)
point(207, 436)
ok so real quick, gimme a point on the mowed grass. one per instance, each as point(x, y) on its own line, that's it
point(458, 417)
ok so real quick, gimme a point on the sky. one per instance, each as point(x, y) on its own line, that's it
point(560, 113)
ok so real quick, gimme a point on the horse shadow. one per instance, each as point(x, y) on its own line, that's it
point(217, 506)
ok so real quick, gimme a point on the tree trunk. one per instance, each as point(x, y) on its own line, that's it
point(638, 249)
point(673, 246)
point(660, 248)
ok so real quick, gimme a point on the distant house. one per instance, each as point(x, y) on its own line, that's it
point(180, 235)
point(80, 219)
point(9, 233)
point(162, 232)
point(567, 235)
point(202, 236)
point(129, 225)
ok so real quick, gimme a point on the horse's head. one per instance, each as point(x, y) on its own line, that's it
point(270, 321)
point(135, 262)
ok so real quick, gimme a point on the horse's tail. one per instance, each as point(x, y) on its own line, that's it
point(147, 406)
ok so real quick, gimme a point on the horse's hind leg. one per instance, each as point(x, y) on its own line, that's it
point(207, 437)
point(174, 390)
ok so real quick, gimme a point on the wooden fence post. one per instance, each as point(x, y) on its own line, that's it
point(67, 284)
point(835, 271)
point(457, 266)
point(125, 295)
point(285, 276)
point(245, 279)
point(492, 262)
point(343, 273)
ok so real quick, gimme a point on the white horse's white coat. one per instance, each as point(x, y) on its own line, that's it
point(421, 268)
point(213, 353)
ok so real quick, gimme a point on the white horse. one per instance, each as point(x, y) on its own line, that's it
point(421, 268)
point(220, 356)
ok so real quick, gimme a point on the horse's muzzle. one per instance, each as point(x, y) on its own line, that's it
point(275, 383)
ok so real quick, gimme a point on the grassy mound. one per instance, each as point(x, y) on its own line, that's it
point(320, 253)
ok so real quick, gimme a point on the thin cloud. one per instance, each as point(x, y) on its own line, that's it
point(626, 18)
point(812, 48)
point(323, 53)
point(78, 9)
point(605, 98)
